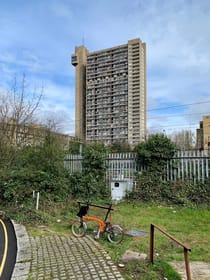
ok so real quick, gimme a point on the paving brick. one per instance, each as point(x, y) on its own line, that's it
point(66, 257)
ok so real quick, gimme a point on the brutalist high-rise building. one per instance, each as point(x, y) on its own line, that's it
point(111, 93)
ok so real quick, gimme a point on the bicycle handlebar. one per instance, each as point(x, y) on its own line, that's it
point(89, 203)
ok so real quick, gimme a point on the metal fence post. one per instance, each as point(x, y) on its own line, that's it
point(187, 264)
point(152, 243)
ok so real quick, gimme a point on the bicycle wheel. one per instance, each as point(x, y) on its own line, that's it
point(115, 234)
point(79, 229)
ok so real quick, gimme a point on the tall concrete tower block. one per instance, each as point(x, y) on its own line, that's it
point(111, 93)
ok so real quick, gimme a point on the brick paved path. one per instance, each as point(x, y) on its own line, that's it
point(199, 270)
point(69, 258)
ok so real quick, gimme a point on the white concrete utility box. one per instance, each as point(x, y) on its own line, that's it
point(119, 187)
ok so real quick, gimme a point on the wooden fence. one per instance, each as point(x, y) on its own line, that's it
point(186, 165)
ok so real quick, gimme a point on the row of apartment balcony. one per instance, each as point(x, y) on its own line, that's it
point(120, 111)
point(106, 77)
point(111, 106)
point(118, 104)
point(103, 136)
point(92, 59)
point(109, 83)
point(107, 92)
point(114, 107)
point(134, 57)
point(112, 122)
point(133, 60)
point(101, 97)
point(120, 117)
point(134, 50)
point(106, 127)
point(107, 121)
point(110, 74)
point(117, 110)
point(107, 110)
point(108, 87)
point(94, 80)
point(134, 87)
point(106, 141)
point(109, 52)
point(107, 135)
point(104, 62)
point(110, 66)
point(106, 97)
point(122, 128)
point(94, 109)
point(107, 73)
point(118, 62)
point(107, 115)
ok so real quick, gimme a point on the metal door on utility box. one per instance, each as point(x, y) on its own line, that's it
point(118, 190)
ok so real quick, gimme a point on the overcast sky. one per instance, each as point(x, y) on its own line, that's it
point(37, 38)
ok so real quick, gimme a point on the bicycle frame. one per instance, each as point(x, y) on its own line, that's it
point(102, 224)
point(109, 209)
point(114, 233)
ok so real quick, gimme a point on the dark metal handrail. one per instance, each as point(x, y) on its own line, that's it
point(185, 246)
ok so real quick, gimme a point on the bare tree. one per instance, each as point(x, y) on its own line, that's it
point(17, 110)
point(184, 140)
point(56, 121)
point(19, 105)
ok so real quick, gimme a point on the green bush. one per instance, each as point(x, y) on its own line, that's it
point(90, 183)
point(199, 193)
point(35, 168)
point(87, 186)
point(153, 189)
point(153, 156)
point(155, 152)
point(17, 186)
point(27, 214)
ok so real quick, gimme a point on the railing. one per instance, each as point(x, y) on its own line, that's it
point(186, 248)
point(186, 165)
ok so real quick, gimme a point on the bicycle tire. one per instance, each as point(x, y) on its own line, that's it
point(79, 229)
point(115, 234)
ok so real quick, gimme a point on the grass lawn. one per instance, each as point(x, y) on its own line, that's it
point(189, 225)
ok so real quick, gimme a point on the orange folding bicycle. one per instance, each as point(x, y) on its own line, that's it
point(114, 232)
